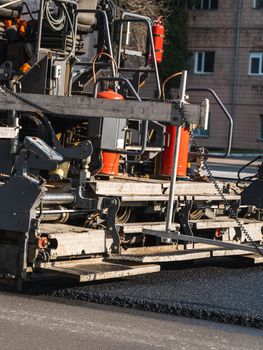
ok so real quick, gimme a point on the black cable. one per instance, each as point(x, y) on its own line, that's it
point(245, 166)
point(247, 178)
point(29, 10)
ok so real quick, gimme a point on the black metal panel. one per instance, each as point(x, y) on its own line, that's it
point(6, 161)
point(253, 194)
point(19, 196)
point(35, 80)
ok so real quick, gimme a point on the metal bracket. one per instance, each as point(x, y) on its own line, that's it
point(81, 201)
point(6, 71)
point(184, 218)
point(109, 209)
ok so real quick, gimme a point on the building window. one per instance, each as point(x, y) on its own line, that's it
point(255, 63)
point(258, 4)
point(200, 132)
point(204, 62)
point(202, 4)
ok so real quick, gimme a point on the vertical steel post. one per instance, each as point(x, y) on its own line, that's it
point(170, 208)
point(39, 28)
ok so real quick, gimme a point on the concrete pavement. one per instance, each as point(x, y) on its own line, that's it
point(229, 167)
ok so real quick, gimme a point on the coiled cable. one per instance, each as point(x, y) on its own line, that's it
point(55, 22)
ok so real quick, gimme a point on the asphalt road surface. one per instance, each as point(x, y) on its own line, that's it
point(62, 317)
point(224, 290)
point(228, 168)
point(29, 323)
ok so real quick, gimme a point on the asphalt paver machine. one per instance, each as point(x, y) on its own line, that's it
point(95, 179)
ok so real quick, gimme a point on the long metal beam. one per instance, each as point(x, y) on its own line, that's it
point(91, 107)
point(185, 238)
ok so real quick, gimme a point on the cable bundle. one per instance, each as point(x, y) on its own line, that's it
point(56, 22)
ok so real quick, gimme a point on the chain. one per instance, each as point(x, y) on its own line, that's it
point(232, 213)
point(43, 110)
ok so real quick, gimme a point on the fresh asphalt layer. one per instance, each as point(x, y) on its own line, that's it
point(230, 294)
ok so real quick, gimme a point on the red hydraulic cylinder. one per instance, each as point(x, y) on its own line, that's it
point(110, 160)
point(168, 152)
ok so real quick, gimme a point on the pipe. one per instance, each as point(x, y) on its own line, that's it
point(9, 13)
point(175, 162)
point(227, 114)
point(107, 28)
point(132, 17)
point(235, 71)
point(58, 198)
point(39, 29)
point(7, 4)
point(61, 211)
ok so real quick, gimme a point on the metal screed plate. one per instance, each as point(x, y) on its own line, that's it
point(98, 269)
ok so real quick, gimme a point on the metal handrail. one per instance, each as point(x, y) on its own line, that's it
point(132, 17)
point(226, 113)
point(107, 29)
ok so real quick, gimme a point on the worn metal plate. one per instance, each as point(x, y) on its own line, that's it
point(92, 107)
point(126, 187)
point(75, 240)
point(8, 132)
point(165, 197)
point(255, 259)
point(164, 257)
point(218, 222)
point(97, 269)
point(185, 255)
point(138, 188)
point(138, 227)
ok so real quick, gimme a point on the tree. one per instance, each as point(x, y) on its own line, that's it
point(175, 19)
point(176, 55)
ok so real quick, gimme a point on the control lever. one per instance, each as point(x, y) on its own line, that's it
point(41, 149)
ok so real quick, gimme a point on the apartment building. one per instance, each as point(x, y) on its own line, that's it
point(226, 42)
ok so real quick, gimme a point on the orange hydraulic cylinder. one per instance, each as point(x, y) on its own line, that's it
point(110, 160)
point(110, 163)
point(168, 152)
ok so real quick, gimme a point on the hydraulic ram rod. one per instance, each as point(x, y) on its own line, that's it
point(58, 198)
